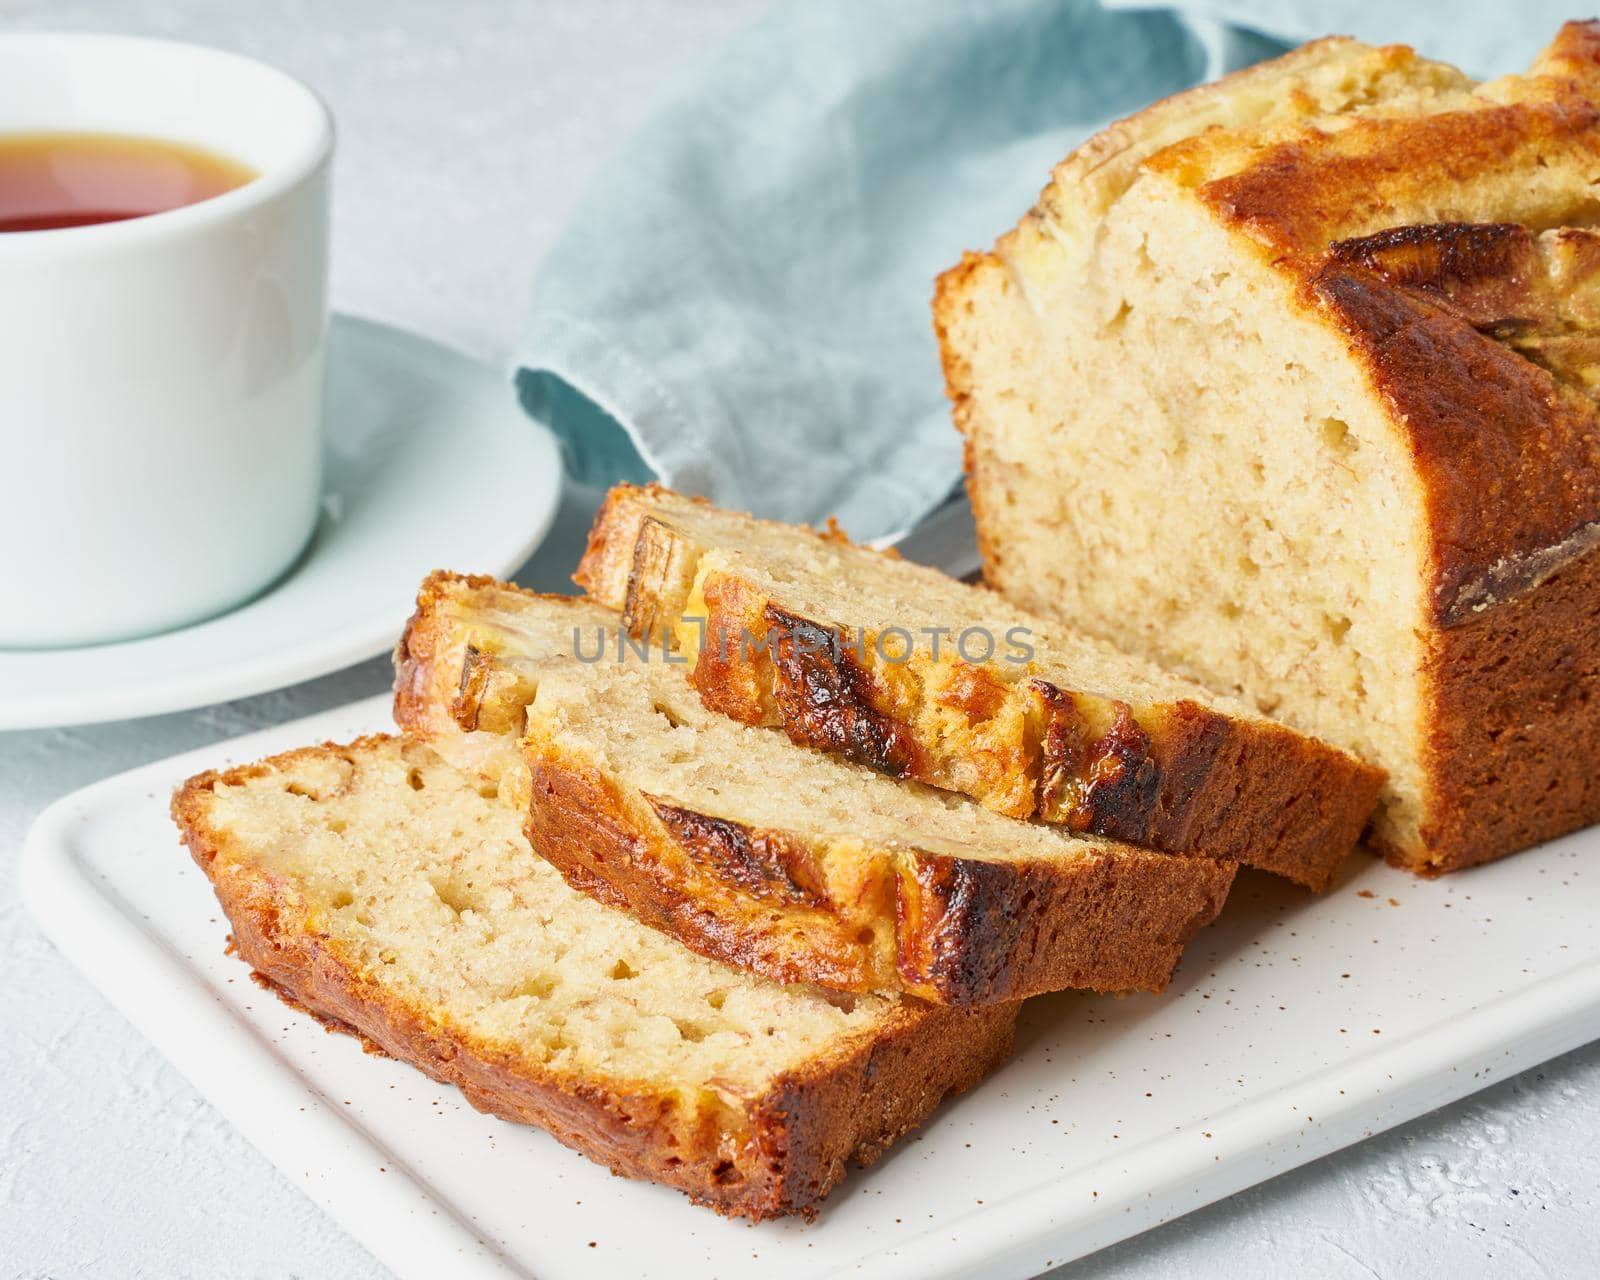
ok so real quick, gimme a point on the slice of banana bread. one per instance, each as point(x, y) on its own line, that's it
point(446, 690)
point(1289, 383)
point(384, 892)
point(764, 854)
point(902, 668)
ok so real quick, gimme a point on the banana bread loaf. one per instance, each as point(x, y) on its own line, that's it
point(1288, 383)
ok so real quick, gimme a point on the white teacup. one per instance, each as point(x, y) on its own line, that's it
point(160, 377)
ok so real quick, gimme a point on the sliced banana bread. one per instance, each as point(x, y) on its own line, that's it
point(1289, 383)
point(750, 849)
point(448, 691)
point(384, 892)
point(906, 670)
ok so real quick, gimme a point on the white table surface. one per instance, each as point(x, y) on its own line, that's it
point(467, 131)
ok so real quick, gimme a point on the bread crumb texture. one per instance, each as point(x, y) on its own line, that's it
point(397, 861)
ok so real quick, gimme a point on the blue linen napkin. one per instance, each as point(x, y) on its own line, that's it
point(740, 306)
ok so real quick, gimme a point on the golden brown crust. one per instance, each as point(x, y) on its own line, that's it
point(736, 674)
point(766, 864)
point(954, 930)
point(614, 844)
point(1149, 775)
point(1508, 458)
point(1295, 189)
point(1298, 197)
point(1515, 731)
point(1187, 778)
point(779, 1153)
point(984, 930)
point(822, 698)
point(1295, 807)
point(1112, 778)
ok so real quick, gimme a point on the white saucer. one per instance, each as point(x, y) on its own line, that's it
point(430, 465)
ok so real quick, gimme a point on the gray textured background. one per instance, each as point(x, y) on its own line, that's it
point(467, 130)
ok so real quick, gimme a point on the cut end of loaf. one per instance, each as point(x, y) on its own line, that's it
point(1289, 371)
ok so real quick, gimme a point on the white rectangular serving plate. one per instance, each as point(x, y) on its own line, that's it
point(1296, 1025)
